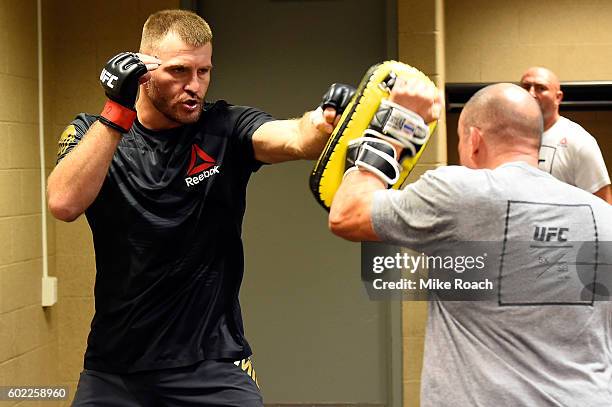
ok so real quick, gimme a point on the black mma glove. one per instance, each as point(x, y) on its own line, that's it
point(338, 96)
point(120, 80)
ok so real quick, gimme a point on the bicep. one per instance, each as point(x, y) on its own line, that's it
point(605, 193)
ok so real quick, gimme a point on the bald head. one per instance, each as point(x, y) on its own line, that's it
point(506, 118)
point(543, 85)
point(504, 112)
point(544, 74)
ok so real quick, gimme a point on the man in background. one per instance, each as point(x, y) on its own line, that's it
point(568, 151)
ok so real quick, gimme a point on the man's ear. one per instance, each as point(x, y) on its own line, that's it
point(475, 142)
point(559, 97)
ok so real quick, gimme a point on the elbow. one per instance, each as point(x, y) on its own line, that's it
point(62, 209)
point(336, 225)
point(342, 223)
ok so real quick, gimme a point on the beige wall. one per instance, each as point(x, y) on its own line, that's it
point(28, 333)
point(490, 41)
point(496, 41)
point(421, 44)
point(76, 47)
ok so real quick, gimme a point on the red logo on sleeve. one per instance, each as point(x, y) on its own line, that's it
point(199, 161)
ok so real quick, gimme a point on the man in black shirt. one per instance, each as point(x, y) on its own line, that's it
point(162, 180)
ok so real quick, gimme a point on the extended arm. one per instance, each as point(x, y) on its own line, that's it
point(304, 138)
point(286, 140)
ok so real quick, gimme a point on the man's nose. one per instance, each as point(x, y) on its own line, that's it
point(193, 85)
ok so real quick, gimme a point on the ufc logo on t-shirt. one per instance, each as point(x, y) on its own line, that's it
point(108, 78)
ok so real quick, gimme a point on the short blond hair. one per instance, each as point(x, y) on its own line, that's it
point(190, 27)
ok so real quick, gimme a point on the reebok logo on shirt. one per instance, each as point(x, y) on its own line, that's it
point(201, 166)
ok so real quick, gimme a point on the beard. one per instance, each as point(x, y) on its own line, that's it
point(172, 107)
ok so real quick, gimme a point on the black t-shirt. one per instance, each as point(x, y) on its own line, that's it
point(167, 235)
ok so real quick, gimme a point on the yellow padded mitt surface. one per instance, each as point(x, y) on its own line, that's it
point(327, 174)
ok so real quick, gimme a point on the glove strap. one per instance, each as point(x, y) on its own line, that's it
point(400, 125)
point(378, 157)
point(117, 116)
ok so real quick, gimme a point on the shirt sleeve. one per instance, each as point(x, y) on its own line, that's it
point(590, 172)
point(418, 216)
point(72, 135)
point(247, 121)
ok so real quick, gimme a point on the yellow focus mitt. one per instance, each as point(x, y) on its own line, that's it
point(362, 114)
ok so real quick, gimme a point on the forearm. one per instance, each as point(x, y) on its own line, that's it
point(310, 141)
point(304, 138)
point(350, 212)
point(76, 180)
point(605, 193)
point(288, 140)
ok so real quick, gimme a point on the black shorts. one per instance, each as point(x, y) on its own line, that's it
point(207, 383)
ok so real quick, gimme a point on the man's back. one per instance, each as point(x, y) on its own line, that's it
point(542, 340)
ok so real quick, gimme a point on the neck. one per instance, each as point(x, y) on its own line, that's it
point(500, 159)
point(551, 121)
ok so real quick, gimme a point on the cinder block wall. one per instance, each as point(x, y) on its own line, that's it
point(496, 41)
point(421, 44)
point(28, 334)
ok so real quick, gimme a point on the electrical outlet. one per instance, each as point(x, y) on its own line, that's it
point(49, 291)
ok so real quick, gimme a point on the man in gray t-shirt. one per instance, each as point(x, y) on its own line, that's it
point(542, 341)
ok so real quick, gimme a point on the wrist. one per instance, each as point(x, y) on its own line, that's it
point(117, 116)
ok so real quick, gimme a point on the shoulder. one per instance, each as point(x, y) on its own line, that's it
point(234, 116)
point(443, 186)
point(454, 176)
point(574, 130)
point(568, 124)
point(571, 137)
point(77, 127)
point(223, 108)
point(83, 121)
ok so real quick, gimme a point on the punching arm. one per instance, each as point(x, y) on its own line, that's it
point(304, 138)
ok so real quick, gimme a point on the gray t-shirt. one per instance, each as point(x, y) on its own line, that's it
point(538, 344)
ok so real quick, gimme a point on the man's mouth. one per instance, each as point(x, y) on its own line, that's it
point(191, 104)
